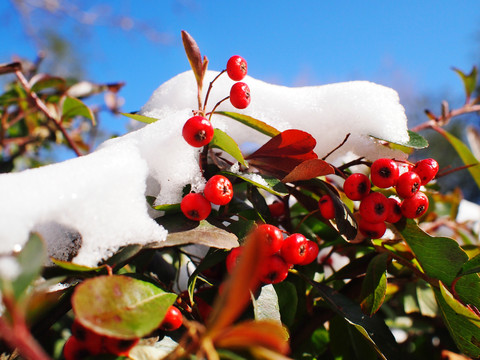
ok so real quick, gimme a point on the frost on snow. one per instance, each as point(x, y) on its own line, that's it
point(88, 207)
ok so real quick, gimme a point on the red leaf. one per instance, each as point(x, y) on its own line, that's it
point(280, 155)
point(309, 169)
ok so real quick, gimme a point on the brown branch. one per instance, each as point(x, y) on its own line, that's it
point(43, 108)
point(338, 147)
point(209, 89)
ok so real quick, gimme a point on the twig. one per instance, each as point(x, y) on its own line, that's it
point(209, 89)
point(338, 147)
point(42, 107)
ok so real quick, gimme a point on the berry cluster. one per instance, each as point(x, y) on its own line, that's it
point(375, 208)
point(84, 343)
point(280, 253)
point(198, 132)
point(218, 190)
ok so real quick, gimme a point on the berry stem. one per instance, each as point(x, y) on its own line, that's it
point(338, 147)
point(208, 91)
point(213, 110)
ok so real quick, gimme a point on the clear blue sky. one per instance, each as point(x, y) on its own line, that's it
point(409, 45)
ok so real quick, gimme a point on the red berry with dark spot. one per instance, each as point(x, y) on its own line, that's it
point(372, 230)
point(274, 269)
point(75, 350)
point(173, 319)
point(426, 169)
point(408, 184)
point(294, 249)
point(218, 190)
point(374, 207)
point(394, 212)
point(89, 338)
point(277, 208)
point(326, 207)
point(197, 131)
point(415, 206)
point(312, 252)
point(240, 95)
point(195, 207)
point(271, 236)
point(384, 173)
point(119, 347)
point(236, 68)
point(357, 186)
point(232, 258)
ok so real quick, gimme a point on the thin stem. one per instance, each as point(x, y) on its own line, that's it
point(43, 108)
point(213, 110)
point(338, 147)
point(209, 89)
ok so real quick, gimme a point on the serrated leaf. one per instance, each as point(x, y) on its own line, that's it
point(464, 152)
point(268, 183)
point(416, 141)
point(469, 81)
point(472, 266)
point(374, 285)
point(120, 306)
point(256, 124)
point(224, 142)
point(372, 328)
point(73, 107)
point(141, 118)
point(203, 234)
point(309, 169)
point(30, 260)
point(194, 57)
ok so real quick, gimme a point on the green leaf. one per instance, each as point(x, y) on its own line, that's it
point(120, 306)
point(287, 301)
point(67, 265)
point(168, 208)
point(372, 328)
point(440, 257)
point(266, 306)
point(459, 308)
point(469, 81)
point(464, 152)
point(30, 259)
point(47, 82)
point(374, 285)
point(416, 141)
point(472, 266)
point(465, 333)
point(223, 141)
point(251, 122)
point(268, 183)
point(73, 107)
point(141, 118)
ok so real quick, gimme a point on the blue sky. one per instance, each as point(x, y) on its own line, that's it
point(408, 45)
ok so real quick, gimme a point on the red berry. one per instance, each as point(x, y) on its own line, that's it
point(119, 347)
point(236, 68)
point(240, 95)
point(272, 237)
point(394, 212)
point(75, 350)
point(415, 206)
point(277, 208)
point(294, 249)
point(198, 131)
point(195, 207)
point(408, 184)
point(218, 190)
point(204, 309)
point(357, 186)
point(312, 252)
point(89, 338)
point(374, 207)
point(384, 173)
point(274, 270)
point(326, 207)
point(232, 258)
point(372, 230)
point(173, 319)
point(426, 169)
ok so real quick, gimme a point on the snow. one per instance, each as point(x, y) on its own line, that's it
point(87, 208)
